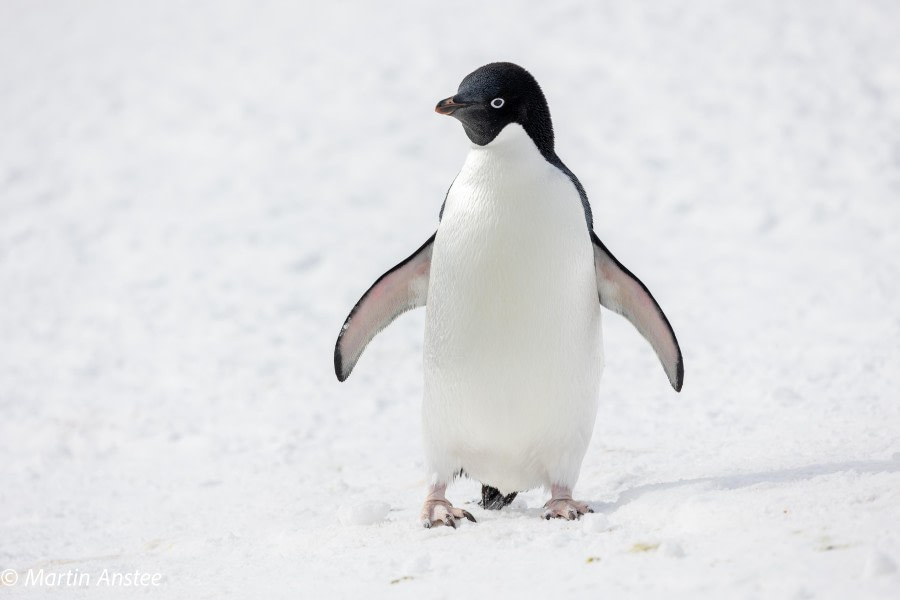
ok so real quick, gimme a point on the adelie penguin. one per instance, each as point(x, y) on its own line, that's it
point(513, 279)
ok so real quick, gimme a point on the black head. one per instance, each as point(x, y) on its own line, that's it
point(495, 95)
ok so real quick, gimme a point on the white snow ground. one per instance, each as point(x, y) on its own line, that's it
point(193, 196)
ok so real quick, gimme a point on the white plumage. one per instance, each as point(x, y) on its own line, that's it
point(513, 281)
point(513, 347)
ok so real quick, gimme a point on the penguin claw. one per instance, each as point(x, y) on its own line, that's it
point(565, 508)
point(441, 512)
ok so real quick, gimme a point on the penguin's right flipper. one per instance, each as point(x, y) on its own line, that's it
point(401, 289)
point(623, 293)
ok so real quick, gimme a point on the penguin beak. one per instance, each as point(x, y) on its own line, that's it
point(448, 106)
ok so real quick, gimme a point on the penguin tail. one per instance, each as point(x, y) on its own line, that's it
point(492, 499)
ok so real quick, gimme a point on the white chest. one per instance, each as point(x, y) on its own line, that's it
point(512, 262)
point(512, 337)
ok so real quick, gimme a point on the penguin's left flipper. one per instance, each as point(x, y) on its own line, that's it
point(401, 289)
point(623, 293)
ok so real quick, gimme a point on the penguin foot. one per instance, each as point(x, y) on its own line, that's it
point(562, 506)
point(437, 510)
point(441, 512)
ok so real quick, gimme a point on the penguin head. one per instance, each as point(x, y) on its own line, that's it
point(495, 95)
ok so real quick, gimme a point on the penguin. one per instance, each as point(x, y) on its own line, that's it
point(512, 281)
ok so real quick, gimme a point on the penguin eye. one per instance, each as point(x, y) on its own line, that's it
point(498, 102)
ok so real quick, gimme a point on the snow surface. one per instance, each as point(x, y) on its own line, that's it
point(193, 197)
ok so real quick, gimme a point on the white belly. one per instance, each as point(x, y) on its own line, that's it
point(512, 340)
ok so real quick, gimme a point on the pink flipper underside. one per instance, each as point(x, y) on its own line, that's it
point(622, 293)
point(401, 289)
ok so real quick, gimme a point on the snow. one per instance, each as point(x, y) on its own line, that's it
point(193, 197)
point(879, 564)
point(364, 513)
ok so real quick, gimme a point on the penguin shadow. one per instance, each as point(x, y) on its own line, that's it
point(742, 480)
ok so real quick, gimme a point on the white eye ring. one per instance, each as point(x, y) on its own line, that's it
point(498, 102)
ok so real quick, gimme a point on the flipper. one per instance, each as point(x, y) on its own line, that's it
point(623, 293)
point(401, 289)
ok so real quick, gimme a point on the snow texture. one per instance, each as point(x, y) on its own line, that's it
point(192, 197)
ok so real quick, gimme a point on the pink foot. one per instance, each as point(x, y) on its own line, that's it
point(437, 510)
point(562, 506)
